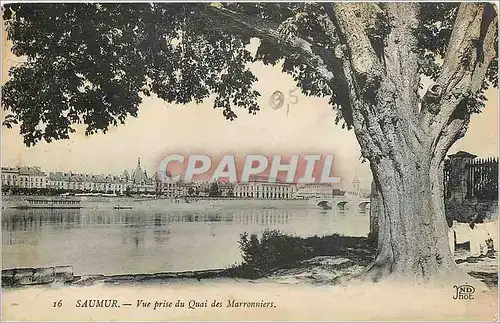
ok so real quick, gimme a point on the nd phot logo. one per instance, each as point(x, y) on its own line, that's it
point(464, 292)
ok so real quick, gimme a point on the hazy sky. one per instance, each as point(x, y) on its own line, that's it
point(163, 128)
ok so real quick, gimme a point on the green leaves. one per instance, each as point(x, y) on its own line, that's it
point(90, 63)
point(81, 68)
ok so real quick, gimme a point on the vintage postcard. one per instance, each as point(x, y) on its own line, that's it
point(249, 161)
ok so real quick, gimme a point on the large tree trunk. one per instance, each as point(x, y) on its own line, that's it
point(376, 209)
point(412, 237)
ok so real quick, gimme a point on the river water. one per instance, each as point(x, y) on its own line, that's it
point(132, 241)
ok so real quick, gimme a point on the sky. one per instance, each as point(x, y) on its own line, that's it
point(162, 129)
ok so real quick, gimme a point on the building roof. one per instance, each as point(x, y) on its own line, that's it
point(65, 176)
point(73, 177)
point(263, 179)
point(57, 176)
point(31, 171)
point(140, 177)
point(10, 169)
point(462, 154)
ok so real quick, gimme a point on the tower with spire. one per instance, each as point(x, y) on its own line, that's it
point(139, 180)
point(355, 186)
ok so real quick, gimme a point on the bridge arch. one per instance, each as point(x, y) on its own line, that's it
point(362, 206)
point(341, 205)
point(324, 204)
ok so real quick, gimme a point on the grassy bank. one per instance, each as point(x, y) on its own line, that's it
point(325, 259)
point(275, 250)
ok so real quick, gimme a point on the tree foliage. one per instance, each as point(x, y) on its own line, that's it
point(90, 63)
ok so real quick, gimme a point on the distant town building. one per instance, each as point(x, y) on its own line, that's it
point(10, 176)
point(314, 190)
point(23, 177)
point(355, 184)
point(32, 177)
point(27, 178)
point(82, 183)
point(139, 181)
point(59, 180)
point(169, 188)
point(125, 176)
point(356, 190)
point(226, 189)
point(259, 187)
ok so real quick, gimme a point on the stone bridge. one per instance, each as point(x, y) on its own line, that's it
point(343, 203)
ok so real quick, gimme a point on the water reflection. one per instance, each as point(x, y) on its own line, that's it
point(26, 219)
point(126, 241)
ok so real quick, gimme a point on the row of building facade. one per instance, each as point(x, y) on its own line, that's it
point(35, 178)
point(137, 181)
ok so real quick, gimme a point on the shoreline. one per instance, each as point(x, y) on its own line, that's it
point(46, 276)
point(160, 203)
point(318, 269)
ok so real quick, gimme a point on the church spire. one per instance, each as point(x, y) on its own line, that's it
point(355, 185)
point(138, 162)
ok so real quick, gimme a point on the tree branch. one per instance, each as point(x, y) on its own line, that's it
point(370, 148)
point(470, 50)
point(401, 67)
point(352, 20)
point(326, 61)
point(229, 20)
point(400, 56)
point(454, 131)
point(384, 84)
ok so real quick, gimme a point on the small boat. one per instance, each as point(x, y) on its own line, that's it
point(120, 207)
point(50, 203)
